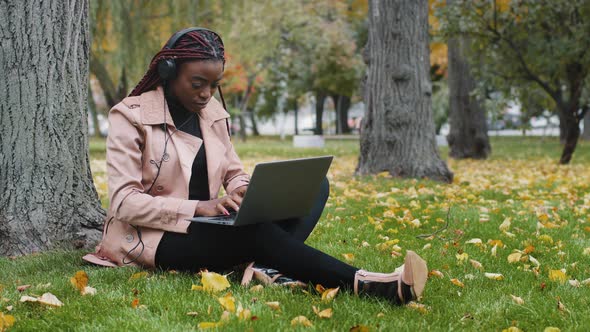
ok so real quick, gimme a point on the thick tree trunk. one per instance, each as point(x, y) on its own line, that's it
point(320, 97)
point(571, 131)
point(47, 196)
point(586, 134)
point(562, 127)
point(398, 130)
point(468, 136)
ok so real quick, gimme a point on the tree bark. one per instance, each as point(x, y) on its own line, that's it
point(398, 129)
point(253, 122)
point(571, 131)
point(320, 97)
point(341, 106)
point(296, 113)
point(468, 136)
point(47, 196)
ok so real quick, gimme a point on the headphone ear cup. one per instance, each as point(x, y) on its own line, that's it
point(167, 69)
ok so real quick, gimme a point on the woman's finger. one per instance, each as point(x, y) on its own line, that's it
point(222, 209)
point(229, 202)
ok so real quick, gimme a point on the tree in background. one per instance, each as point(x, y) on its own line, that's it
point(398, 134)
point(524, 41)
point(47, 196)
point(468, 136)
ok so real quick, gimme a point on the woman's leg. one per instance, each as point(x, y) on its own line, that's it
point(302, 227)
point(217, 247)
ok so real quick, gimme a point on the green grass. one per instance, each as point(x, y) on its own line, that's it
point(521, 181)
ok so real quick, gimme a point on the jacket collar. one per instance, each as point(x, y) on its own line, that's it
point(151, 109)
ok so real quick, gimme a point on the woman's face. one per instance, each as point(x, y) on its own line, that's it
point(196, 82)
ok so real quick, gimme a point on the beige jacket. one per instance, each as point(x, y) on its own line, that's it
point(135, 144)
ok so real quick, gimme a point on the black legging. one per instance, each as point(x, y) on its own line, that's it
point(276, 245)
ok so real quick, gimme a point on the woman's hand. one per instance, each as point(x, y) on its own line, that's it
point(238, 194)
point(217, 206)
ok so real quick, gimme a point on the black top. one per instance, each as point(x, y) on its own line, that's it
point(188, 122)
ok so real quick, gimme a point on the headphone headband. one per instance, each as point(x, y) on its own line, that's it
point(175, 37)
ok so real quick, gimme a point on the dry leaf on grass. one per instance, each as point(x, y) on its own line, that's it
point(494, 276)
point(329, 294)
point(359, 328)
point(517, 299)
point(6, 321)
point(274, 305)
point(209, 325)
point(79, 280)
point(476, 264)
point(436, 273)
point(139, 275)
point(228, 302)
point(558, 275)
point(421, 308)
point(256, 288)
point(456, 282)
point(214, 282)
point(326, 313)
point(47, 299)
point(22, 288)
point(301, 320)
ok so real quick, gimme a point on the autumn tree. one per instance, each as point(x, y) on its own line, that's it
point(47, 196)
point(398, 134)
point(528, 41)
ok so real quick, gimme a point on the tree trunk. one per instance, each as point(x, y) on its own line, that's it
point(398, 130)
point(320, 97)
point(586, 133)
point(468, 136)
point(571, 131)
point(341, 106)
point(296, 113)
point(253, 122)
point(563, 127)
point(93, 113)
point(47, 196)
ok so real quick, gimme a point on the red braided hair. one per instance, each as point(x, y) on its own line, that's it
point(195, 45)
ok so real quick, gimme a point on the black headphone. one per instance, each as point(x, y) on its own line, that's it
point(167, 67)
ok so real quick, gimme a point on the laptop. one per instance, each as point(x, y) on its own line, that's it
point(278, 190)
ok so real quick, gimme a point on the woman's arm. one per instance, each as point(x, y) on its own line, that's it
point(128, 201)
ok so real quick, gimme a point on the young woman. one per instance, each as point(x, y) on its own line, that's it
point(168, 154)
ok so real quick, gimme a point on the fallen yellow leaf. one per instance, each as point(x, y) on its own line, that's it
point(462, 257)
point(228, 302)
point(197, 288)
point(557, 275)
point(551, 329)
point(494, 276)
point(214, 282)
point(329, 294)
point(319, 288)
point(436, 273)
point(421, 308)
point(274, 305)
point(348, 257)
point(209, 325)
point(256, 288)
point(512, 329)
point(475, 264)
point(243, 314)
point(474, 241)
point(79, 280)
point(135, 303)
point(359, 328)
point(301, 320)
point(505, 225)
point(456, 282)
point(6, 321)
point(514, 257)
point(138, 275)
point(326, 313)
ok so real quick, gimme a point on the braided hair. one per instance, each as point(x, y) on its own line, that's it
point(194, 45)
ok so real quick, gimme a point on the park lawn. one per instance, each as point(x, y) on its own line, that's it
point(519, 201)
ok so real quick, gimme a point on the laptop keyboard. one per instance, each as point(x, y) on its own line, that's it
point(231, 217)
